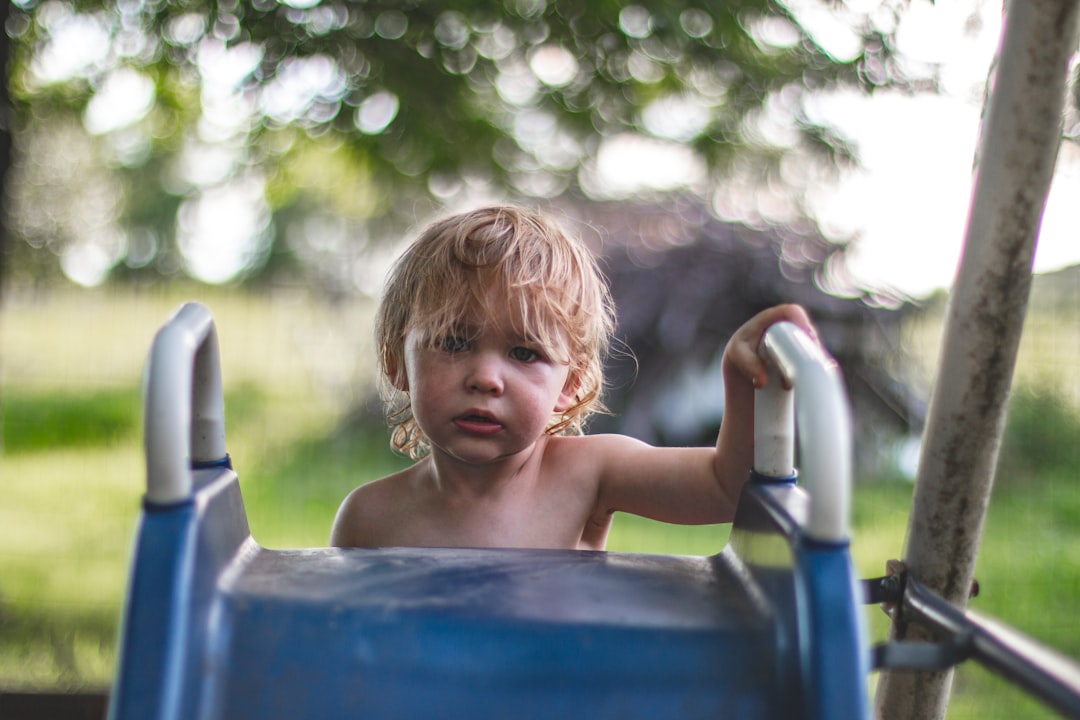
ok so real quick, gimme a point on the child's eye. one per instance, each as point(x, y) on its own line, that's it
point(524, 354)
point(453, 344)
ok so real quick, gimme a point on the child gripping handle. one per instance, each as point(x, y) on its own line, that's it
point(492, 334)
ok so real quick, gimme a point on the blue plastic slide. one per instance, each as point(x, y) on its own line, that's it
point(217, 627)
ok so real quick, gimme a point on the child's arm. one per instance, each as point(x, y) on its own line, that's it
point(694, 485)
point(744, 371)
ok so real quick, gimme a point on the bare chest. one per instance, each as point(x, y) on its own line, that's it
point(526, 515)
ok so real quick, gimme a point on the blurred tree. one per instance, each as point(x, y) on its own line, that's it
point(5, 128)
point(155, 136)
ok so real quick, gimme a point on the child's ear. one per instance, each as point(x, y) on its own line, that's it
point(395, 371)
point(568, 396)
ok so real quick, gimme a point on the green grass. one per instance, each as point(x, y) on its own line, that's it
point(51, 421)
point(72, 465)
point(72, 479)
point(1029, 577)
point(66, 523)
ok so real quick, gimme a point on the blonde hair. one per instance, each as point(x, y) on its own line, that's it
point(453, 269)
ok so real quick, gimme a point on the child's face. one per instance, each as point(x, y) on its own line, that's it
point(487, 393)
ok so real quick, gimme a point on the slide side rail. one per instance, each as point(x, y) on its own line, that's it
point(184, 411)
point(805, 394)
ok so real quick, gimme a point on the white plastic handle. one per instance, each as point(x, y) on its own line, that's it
point(184, 404)
point(823, 419)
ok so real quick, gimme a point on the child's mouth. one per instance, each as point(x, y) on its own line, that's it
point(479, 424)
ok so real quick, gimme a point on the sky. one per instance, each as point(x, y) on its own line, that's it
point(909, 201)
point(907, 204)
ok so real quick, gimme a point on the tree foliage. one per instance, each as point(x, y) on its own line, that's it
point(368, 110)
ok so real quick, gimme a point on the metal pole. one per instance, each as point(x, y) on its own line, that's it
point(1017, 151)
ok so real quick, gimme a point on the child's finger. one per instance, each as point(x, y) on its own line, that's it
point(742, 353)
point(753, 332)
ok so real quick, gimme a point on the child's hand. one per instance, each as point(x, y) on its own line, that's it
point(741, 354)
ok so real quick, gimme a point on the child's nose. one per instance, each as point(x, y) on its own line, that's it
point(485, 375)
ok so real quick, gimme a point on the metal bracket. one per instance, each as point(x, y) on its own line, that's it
point(1035, 668)
point(887, 589)
point(901, 655)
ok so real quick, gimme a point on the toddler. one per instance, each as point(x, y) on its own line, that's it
point(492, 334)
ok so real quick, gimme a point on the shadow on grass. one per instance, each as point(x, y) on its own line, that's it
point(48, 421)
point(51, 420)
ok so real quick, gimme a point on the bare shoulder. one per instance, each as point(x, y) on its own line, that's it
point(596, 459)
point(591, 444)
point(597, 451)
point(368, 510)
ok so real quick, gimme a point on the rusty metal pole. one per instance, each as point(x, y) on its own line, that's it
point(1021, 133)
